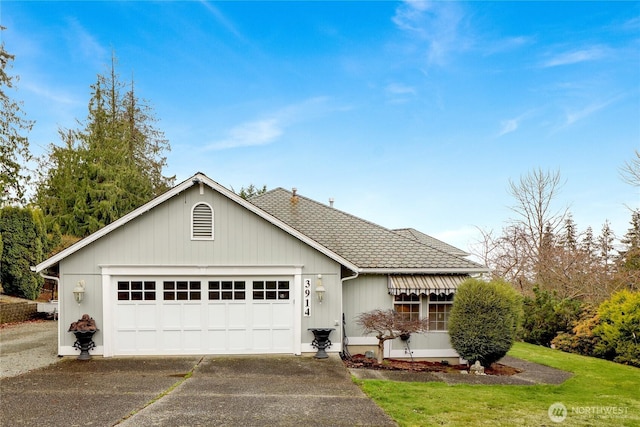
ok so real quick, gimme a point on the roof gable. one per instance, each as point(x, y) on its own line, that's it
point(197, 179)
point(371, 247)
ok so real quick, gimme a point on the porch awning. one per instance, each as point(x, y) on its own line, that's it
point(424, 284)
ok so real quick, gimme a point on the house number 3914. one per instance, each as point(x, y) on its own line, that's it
point(306, 301)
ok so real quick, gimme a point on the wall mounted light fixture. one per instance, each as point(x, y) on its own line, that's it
point(320, 290)
point(78, 292)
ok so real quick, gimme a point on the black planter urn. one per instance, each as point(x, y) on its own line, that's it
point(321, 341)
point(84, 329)
point(84, 343)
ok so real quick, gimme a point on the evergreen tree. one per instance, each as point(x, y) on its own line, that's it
point(110, 167)
point(570, 236)
point(24, 245)
point(605, 246)
point(629, 260)
point(14, 145)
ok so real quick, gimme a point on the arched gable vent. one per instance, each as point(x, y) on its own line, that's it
point(202, 222)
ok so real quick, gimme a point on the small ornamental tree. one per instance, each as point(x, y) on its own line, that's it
point(388, 325)
point(484, 320)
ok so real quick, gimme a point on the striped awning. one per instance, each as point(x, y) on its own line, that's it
point(424, 284)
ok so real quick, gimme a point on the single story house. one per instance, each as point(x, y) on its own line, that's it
point(200, 270)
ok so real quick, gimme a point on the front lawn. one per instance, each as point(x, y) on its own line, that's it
point(600, 393)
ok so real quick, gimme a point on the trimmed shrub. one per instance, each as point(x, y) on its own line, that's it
point(484, 320)
point(619, 328)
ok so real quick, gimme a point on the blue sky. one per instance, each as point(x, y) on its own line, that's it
point(407, 114)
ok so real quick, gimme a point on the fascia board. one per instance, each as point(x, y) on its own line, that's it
point(423, 270)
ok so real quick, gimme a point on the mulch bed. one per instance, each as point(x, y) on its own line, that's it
point(360, 361)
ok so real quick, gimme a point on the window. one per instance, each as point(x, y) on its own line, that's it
point(202, 222)
point(271, 289)
point(136, 291)
point(227, 290)
point(408, 306)
point(439, 309)
point(181, 291)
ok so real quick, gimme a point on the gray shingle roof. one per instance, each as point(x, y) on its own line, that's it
point(363, 243)
point(412, 233)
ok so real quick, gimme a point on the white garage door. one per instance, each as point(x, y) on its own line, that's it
point(203, 316)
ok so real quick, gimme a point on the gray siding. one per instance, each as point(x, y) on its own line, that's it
point(365, 293)
point(162, 236)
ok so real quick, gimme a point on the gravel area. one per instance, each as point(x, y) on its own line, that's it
point(27, 346)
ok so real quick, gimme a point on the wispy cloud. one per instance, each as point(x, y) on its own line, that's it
point(53, 95)
point(433, 25)
point(268, 129)
point(580, 114)
point(511, 125)
point(83, 45)
point(399, 92)
point(222, 19)
point(508, 126)
point(591, 53)
point(506, 44)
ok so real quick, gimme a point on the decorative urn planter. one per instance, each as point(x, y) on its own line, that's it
point(84, 329)
point(321, 341)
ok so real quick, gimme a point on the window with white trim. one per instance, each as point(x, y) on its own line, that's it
point(270, 289)
point(227, 290)
point(181, 290)
point(202, 222)
point(136, 290)
point(439, 309)
point(408, 305)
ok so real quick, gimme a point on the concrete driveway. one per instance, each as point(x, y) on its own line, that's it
point(189, 391)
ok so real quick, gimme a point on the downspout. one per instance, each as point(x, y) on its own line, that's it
point(56, 315)
point(55, 279)
point(345, 341)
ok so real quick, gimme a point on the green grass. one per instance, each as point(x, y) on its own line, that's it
point(597, 385)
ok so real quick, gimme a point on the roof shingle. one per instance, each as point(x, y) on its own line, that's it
point(363, 243)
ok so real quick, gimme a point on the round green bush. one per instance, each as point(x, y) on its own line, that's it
point(484, 320)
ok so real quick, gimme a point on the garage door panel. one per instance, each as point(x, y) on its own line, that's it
point(281, 316)
point(261, 339)
point(217, 316)
point(216, 341)
point(146, 317)
point(126, 316)
point(227, 320)
point(262, 315)
point(238, 340)
point(171, 316)
point(281, 339)
point(171, 340)
point(126, 342)
point(192, 339)
point(237, 316)
point(192, 316)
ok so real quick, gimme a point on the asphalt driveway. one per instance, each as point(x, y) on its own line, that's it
point(189, 391)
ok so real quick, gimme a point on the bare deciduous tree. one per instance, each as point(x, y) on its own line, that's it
point(388, 325)
point(631, 170)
